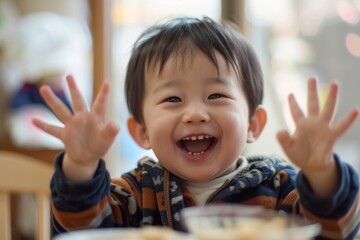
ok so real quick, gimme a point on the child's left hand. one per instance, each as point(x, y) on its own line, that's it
point(310, 147)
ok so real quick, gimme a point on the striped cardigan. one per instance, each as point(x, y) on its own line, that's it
point(151, 195)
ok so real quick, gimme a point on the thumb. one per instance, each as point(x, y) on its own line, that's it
point(111, 130)
point(284, 139)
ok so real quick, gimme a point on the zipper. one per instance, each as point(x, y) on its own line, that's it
point(218, 190)
point(167, 199)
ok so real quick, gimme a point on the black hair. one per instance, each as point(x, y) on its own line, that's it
point(161, 41)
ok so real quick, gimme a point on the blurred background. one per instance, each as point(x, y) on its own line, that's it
point(43, 40)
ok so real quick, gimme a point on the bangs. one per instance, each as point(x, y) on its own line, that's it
point(181, 38)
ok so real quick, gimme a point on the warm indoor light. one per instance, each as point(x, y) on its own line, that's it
point(352, 42)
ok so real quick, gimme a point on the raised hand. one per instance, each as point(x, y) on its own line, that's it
point(310, 147)
point(85, 134)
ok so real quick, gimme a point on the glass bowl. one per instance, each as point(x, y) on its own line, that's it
point(145, 233)
point(241, 222)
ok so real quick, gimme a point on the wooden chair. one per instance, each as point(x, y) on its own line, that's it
point(21, 174)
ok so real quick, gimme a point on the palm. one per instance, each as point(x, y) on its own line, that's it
point(87, 142)
point(311, 141)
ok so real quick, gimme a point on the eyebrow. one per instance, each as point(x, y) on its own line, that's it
point(222, 81)
point(168, 84)
point(174, 83)
point(218, 80)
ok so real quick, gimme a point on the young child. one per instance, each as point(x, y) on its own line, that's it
point(194, 88)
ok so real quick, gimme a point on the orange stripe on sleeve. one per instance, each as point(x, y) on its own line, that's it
point(79, 219)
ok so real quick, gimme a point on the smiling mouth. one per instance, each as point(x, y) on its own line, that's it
point(197, 145)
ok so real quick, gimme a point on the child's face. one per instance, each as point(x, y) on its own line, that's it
point(196, 119)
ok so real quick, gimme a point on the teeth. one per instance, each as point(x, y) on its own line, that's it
point(194, 138)
point(196, 154)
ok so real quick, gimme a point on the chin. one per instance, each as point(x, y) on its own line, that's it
point(196, 178)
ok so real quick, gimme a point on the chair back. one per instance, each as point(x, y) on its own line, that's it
point(20, 174)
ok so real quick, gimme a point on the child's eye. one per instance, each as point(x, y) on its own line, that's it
point(173, 99)
point(215, 96)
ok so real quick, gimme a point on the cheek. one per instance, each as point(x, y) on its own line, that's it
point(235, 126)
point(160, 127)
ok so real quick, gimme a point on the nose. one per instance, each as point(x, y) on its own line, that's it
point(195, 113)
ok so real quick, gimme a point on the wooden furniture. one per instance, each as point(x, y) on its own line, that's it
point(21, 174)
point(100, 25)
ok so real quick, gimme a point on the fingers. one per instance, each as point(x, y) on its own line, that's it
point(100, 103)
point(330, 104)
point(77, 99)
point(61, 111)
point(80, 116)
point(313, 104)
point(295, 109)
point(342, 126)
point(48, 128)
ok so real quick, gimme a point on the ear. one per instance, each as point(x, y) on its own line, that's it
point(138, 132)
point(256, 124)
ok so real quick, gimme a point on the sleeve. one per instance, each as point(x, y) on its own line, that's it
point(82, 204)
point(338, 215)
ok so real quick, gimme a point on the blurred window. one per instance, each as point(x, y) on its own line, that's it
point(298, 39)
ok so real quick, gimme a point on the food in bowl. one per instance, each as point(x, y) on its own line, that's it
point(241, 222)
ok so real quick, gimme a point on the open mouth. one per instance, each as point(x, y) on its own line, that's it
point(197, 145)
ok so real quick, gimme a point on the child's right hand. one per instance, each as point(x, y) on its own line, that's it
point(86, 135)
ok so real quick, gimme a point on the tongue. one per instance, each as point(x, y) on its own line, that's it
point(197, 146)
